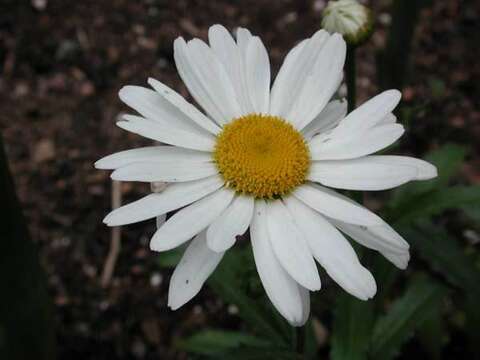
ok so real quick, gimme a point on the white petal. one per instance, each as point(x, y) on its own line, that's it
point(197, 264)
point(247, 66)
point(167, 134)
point(320, 85)
point(173, 197)
point(184, 106)
point(425, 170)
point(235, 220)
point(243, 37)
point(160, 220)
point(189, 221)
point(399, 260)
point(298, 64)
point(154, 106)
point(388, 119)
point(206, 79)
point(283, 291)
point(366, 173)
point(257, 75)
point(152, 154)
point(232, 59)
point(335, 205)
point(167, 172)
point(370, 113)
point(381, 238)
point(327, 119)
point(290, 246)
point(354, 145)
point(224, 47)
point(333, 251)
point(305, 296)
point(193, 81)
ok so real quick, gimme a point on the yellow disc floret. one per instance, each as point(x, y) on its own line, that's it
point(261, 155)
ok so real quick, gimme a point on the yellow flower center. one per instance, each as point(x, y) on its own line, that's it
point(261, 155)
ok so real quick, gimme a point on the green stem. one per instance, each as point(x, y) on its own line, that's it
point(351, 78)
point(300, 339)
point(351, 74)
point(393, 62)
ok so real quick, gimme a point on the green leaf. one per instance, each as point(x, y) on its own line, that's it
point(385, 273)
point(210, 342)
point(231, 281)
point(311, 345)
point(433, 203)
point(444, 255)
point(448, 160)
point(252, 353)
point(405, 316)
point(169, 259)
point(472, 211)
point(447, 257)
point(432, 334)
point(473, 322)
point(352, 328)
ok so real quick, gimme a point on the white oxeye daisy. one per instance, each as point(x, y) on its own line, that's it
point(263, 159)
point(349, 18)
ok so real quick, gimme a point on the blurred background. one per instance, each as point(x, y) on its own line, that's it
point(61, 66)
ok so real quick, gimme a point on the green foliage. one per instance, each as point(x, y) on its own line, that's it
point(446, 257)
point(170, 258)
point(273, 352)
point(435, 202)
point(432, 334)
point(352, 327)
point(406, 315)
point(419, 201)
point(424, 199)
point(220, 344)
point(211, 342)
point(310, 346)
point(448, 160)
point(363, 330)
point(231, 282)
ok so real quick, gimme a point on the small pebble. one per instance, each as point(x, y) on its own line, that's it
point(156, 279)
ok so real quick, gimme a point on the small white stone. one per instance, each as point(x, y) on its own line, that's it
point(156, 279)
point(232, 309)
point(472, 236)
point(39, 4)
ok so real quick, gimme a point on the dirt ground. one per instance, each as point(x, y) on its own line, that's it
point(62, 64)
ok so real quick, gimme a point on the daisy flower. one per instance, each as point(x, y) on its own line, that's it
point(264, 159)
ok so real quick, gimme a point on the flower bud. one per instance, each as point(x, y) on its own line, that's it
point(349, 18)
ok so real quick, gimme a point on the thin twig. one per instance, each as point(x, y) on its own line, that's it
point(115, 242)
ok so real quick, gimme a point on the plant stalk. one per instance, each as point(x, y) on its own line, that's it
point(351, 69)
point(300, 339)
